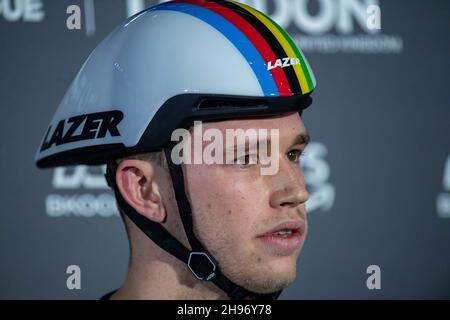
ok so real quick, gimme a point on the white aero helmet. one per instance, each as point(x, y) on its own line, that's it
point(162, 69)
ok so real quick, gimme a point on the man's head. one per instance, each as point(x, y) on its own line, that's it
point(235, 208)
point(232, 67)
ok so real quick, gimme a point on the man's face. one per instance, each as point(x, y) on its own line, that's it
point(236, 208)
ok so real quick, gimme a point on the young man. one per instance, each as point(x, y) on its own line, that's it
point(162, 101)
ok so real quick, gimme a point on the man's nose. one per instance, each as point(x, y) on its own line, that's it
point(289, 189)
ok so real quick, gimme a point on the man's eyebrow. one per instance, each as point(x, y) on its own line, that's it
point(302, 139)
point(251, 142)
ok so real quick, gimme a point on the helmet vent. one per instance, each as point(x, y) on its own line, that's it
point(231, 104)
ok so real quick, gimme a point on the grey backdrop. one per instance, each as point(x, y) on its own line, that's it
point(380, 125)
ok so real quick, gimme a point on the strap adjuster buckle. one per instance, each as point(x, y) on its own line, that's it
point(201, 265)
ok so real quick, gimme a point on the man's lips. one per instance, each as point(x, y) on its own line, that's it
point(295, 226)
point(285, 238)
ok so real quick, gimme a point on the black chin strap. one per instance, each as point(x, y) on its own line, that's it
point(201, 263)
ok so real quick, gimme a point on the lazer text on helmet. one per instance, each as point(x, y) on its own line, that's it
point(282, 63)
point(95, 126)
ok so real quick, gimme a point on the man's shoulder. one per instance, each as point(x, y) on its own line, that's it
point(108, 295)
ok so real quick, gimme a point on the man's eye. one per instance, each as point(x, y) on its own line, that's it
point(294, 155)
point(246, 160)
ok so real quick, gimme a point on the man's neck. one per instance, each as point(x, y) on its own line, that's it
point(165, 278)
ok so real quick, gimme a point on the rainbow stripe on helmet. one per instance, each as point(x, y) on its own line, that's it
point(277, 63)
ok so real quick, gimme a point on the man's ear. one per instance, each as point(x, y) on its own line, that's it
point(136, 182)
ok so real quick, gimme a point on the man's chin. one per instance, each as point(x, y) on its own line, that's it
point(271, 279)
point(270, 285)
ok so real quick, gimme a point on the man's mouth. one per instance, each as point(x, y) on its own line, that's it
point(284, 233)
point(284, 238)
point(286, 229)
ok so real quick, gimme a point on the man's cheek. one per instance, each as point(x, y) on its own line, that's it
point(238, 234)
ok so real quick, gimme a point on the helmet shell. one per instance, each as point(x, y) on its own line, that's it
point(177, 48)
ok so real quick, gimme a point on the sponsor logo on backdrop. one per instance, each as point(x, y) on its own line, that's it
point(22, 10)
point(443, 199)
point(325, 26)
point(82, 191)
point(317, 173)
point(331, 26)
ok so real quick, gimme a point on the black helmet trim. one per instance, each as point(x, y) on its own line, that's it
point(189, 107)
